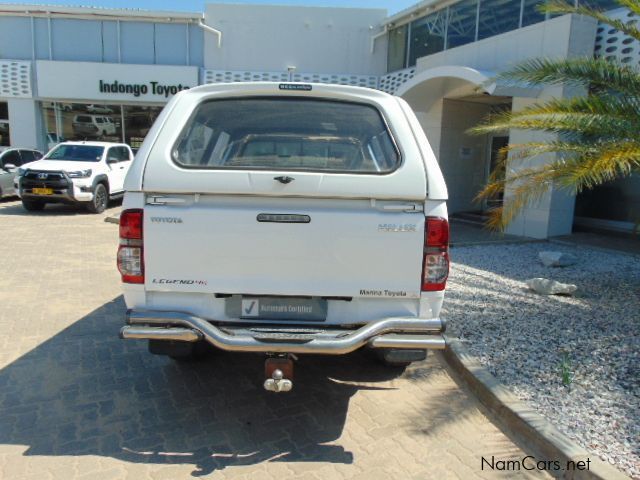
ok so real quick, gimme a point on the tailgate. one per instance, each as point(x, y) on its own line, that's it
point(283, 246)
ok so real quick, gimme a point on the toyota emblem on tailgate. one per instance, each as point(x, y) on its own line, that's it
point(42, 176)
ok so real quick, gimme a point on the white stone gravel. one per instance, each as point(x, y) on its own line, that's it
point(522, 337)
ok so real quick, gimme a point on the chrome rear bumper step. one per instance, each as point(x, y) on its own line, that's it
point(398, 333)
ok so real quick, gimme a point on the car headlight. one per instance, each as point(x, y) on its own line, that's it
point(80, 173)
point(21, 171)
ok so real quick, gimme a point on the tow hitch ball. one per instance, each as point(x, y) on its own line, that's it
point(278, 371)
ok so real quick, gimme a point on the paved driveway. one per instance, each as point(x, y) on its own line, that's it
point(77, 402)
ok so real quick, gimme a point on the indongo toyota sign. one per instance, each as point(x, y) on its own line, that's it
point(112, 81)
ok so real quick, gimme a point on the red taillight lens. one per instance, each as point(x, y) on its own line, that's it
point(435, 265)
point(131, 252)
point(437, 232)
point(131, 225)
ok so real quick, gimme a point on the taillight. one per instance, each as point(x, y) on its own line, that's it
point(435, 264)
point(130, 252)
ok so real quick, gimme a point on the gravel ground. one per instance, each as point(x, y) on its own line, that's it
point(525, 338)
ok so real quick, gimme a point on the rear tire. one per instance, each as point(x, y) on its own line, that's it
point(100, 199)
point(179, 351)
point(33, 205)
point(393, 358)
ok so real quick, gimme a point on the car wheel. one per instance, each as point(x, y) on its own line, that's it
point(100, 199)
point(399, 358)
point(179, 351)
point(33, 205)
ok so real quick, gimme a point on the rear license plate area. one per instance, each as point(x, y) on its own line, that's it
point(276, 308)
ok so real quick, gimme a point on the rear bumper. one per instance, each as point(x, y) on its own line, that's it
point(400, 333)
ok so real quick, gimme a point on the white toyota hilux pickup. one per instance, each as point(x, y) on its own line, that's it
point(287, 219)
point(78, 173)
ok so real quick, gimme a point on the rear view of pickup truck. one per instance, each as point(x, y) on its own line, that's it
point(285, 219)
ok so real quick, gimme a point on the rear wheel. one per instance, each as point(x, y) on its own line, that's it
point(100, 199)
point(179, 351)
point(392, 357)
point(33, 205)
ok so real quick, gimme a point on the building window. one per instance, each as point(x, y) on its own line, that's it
point(461, 27)
point(498, 16)
point(603, 5)
point(531, 13)
point(4, 125)
point(427, 36)
point(137, 122)
point(397, 51)
point(108, 123)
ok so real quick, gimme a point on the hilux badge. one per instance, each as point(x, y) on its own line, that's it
point(396, 227)
point(166, 220)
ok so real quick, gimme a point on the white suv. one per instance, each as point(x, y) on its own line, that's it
point(93, 126)
point(86, 173)
point(285, 219)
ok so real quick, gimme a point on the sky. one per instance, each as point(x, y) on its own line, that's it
point(392, 6)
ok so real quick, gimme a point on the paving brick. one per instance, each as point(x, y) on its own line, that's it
point(77, 402)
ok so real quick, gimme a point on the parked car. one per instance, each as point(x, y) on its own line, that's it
point(10, 160)
point(98, 109)
point(82, 173)
point(93, 126)
point(285, 219)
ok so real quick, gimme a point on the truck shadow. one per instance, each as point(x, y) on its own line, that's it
point(85, 392)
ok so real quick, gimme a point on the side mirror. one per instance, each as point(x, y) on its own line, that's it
point(111, 161)
point(10, 167)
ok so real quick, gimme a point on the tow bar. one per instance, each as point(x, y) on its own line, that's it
point(278, 370)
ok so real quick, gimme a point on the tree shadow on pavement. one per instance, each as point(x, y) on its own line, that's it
point(86, 392)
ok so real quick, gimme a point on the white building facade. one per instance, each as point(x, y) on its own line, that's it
point(76, 73)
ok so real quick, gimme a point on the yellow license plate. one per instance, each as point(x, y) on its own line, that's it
point(43, 191)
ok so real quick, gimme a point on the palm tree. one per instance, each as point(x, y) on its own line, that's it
point(596, 137)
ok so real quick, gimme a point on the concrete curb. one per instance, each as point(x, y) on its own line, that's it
point(521, 420)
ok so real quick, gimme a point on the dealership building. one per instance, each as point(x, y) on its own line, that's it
point(90, 73)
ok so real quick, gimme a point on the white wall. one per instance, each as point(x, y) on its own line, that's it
point(463, 157)
point(313, 39)
point(24, 123)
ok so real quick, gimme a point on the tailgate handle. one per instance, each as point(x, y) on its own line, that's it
point(402, 207)
point(165, 201)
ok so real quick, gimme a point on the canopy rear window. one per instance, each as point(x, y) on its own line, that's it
point(287, 134)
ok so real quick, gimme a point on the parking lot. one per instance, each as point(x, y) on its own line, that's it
point(77, 402)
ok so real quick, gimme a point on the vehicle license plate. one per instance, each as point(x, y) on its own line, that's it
point(43, 191)
point(277, 308)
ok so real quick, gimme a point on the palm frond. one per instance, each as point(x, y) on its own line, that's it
point(589, 165)
point(578, 124)
point(582, 72)
point(632, 5)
